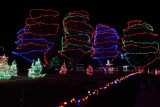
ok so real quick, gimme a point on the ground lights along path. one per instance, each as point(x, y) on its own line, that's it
point(78, 102)
point(36, 38)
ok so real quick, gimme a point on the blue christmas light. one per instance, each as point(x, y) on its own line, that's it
point(34, 40)
point(22, 30)
point(109, 37)
point(105, 44)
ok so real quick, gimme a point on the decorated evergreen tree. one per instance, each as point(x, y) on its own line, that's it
point(4, 68)
point(13, 69)
point(36, 69)
point(31, 72)
point(89, 70)
point(63, 70)
point(55, 62)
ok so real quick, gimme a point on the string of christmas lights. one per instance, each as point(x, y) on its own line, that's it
point(54, 62)
point(13, 69)
point(105, 44)
point(78, 102)
point(89, 70)
point(77, 36)
point(35, 70)
point(63, 70)
point(140, 44)
point(4, 68)
point(38, 35)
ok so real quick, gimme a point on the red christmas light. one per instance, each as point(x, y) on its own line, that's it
point(77, 35)
point(89, 70)
point(140, 46)
point(63, 70)
point(38, 34)
point(105, 44)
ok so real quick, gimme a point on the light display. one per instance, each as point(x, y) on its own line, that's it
point(77, 36)
point(89, 70)
point(36, 69)
point(140, 44)
point(95, 92)
point(63, 70)
point(4, 68)
point(36, 38)
point(13, 69)
point(105, 44)
point(55, 62)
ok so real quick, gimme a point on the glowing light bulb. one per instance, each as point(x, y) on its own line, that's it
point(104, 87)
point(65, 103)
point(79, 101)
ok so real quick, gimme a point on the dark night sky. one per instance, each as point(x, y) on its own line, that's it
point(114, 14)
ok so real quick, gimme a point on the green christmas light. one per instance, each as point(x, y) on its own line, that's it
point(143, 50)
point(13, 69)
point(144, 43)
point(78, 34)
point(147, 26)
point(131, 41)
point(72, 16)
point(55, 62)
point(77, 45)
point(4, 68)
point(36, 69)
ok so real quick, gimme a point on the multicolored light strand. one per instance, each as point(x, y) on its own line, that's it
point(105, 44)
point(77, 36)
point(35, 70)
point(38, 35)
point(96, 92)
point(4, 68)
point(140, 44)
point(13, 69)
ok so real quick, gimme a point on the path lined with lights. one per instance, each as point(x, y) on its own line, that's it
point(83, 100)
